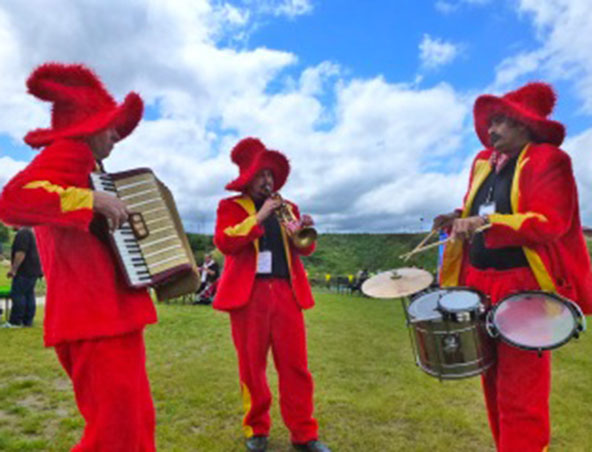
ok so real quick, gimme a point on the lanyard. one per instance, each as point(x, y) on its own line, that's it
point(491, 192)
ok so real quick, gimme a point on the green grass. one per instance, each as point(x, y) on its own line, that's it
point(369, 394)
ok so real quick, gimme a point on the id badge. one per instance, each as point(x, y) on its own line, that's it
point(487, 208)
point(264, 262)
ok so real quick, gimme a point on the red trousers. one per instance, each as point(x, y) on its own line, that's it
point(518, 385)
point(273, 319)
point(112, 392)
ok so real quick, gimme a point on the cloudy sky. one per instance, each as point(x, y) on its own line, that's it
point(371, 100)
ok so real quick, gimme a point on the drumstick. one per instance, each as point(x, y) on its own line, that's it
point(420, 244)
point(425, 239)
point(441, 242)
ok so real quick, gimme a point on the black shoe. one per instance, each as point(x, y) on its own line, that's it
point(312, 446)
point(257, 444)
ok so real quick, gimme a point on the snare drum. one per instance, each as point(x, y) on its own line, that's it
point(535, 320)
point(448, 332)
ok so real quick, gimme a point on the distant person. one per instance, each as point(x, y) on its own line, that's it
point(264, 288)
point(25, 270)
point(210, 272)
point(361, 276)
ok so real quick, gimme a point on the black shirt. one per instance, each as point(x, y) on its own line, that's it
point(272, 241)
point(497, 188)
point(25, 241)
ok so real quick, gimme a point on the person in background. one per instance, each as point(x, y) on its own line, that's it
point(210, 272)
point(25, 270)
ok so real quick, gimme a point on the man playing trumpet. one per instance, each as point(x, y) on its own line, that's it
point(264, 288)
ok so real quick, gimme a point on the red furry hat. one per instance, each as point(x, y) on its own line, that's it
point(81, 104)
point(251, 156)
point(530, 104)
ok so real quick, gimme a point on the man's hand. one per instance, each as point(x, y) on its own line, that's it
point(464, 228)
point(445, 220)
point(112, 208)
point(306, 221)
point(17, 260)
point(267, 208)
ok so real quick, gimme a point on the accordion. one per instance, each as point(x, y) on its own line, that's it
point(151, 247)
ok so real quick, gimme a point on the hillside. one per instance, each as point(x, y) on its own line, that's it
point(343, 254)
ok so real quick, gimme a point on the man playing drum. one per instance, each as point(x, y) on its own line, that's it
point(264, 288)
point(522, 186)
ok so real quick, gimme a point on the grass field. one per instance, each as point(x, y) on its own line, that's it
point(369, 394)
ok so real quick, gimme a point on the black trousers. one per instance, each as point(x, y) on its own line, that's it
point(23, 300)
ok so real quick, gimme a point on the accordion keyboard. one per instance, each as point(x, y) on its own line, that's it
point(145, 260)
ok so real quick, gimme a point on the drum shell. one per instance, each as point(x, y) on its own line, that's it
point(466, 316)
point(453, 346)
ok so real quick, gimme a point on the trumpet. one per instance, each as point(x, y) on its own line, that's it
point(301, 236)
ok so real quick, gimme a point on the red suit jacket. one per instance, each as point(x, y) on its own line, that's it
point(86, 295)
point(545, 222)
point(237, 236)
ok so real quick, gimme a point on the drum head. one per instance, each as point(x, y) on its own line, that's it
point(534, 320)
point(460, 301)
point(425, 306)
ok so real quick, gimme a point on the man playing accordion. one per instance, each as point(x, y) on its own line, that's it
point(92, 319)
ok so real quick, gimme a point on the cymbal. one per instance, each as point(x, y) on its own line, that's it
point(396, 283)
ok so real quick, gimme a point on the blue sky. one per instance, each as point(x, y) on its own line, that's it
point(371, 101)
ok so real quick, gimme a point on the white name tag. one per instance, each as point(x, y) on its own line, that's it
point(487, 209)
point(264, 263)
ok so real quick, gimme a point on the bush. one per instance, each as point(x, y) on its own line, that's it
point(4, 234)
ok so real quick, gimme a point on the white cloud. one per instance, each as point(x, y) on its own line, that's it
point(445, 7)
point(510, 69)
point(435, 52)
point(290, 8)
point(450, 6)
point(579, 147)
point(293, 8)
point(565, 51)
point(9, 168)
point(372, 143)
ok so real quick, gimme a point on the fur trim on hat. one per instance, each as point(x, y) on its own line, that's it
point(251, 156)
point(530, 105)
point(81, 104)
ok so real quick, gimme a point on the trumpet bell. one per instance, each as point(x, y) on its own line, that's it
point(304, 237)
